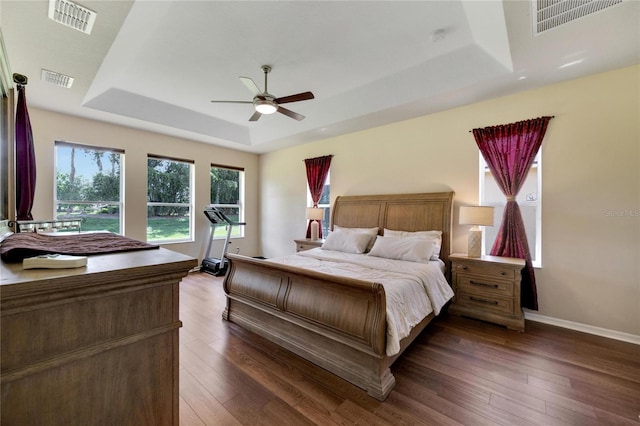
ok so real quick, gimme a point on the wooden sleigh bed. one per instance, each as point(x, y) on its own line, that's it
point(336, 323)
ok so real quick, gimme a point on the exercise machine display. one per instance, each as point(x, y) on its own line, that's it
point(213, 265)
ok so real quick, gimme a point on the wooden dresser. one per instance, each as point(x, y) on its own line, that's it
point(488, 288)
point(92, 345)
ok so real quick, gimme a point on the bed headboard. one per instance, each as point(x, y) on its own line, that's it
point(402, 212)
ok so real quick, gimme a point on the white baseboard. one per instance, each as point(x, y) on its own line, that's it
point(598, 331)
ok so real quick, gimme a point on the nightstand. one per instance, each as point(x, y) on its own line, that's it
point(488, 288)
point(307, 244)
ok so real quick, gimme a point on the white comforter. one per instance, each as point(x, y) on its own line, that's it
point(413, 290)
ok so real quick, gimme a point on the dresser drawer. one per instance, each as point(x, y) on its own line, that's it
point(498, 305)
point(486, 269)
point(484, 286)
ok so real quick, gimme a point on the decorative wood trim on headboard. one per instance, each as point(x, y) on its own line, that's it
point(402, 212)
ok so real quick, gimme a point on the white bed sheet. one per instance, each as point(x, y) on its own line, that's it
point(413, 290)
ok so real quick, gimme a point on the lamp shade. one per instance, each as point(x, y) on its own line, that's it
point(476, 215)
point(315, 213)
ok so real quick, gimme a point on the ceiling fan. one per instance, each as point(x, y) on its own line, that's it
point(266, 103)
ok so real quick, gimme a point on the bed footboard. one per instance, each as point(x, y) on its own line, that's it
point(337, 323)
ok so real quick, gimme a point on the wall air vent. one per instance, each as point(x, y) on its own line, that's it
point(549, 14)
point(57, 78)
point(72, 15)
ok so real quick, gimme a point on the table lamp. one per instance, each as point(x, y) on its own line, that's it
point(476, 216)
point(314, 214)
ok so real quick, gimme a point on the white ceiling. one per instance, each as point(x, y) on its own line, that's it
point(155, 65)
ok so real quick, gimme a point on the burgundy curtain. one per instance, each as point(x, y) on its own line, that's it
point(509, 151)
point(25, 160)
point(317, 170)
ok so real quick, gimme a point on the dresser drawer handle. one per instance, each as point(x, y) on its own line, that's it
point(483, 284)
point(485, 301)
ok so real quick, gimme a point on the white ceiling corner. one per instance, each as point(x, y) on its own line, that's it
point(487, 23)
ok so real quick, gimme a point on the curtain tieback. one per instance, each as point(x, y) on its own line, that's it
point(511, 198)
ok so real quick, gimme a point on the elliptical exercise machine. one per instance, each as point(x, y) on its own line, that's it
point(213, 265)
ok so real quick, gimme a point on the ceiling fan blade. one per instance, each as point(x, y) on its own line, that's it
point(233, 102)
point(290, 113)
point(256, 115)
point(253, 88)
point(295, 98)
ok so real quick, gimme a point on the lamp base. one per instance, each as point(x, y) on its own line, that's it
point(475, 242)
point(314, 230)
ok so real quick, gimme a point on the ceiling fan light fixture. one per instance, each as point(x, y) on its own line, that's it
point(265, 106)
point(266, 103)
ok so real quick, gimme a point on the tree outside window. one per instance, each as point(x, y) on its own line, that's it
point(169, 200)
point(227, 194)
point(89, 186)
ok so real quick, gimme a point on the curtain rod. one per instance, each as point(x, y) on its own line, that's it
point(20, 79)
point(550, 116)
point(322, 156)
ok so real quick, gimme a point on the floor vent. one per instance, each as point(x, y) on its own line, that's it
point(549, 14)
point(57, 78)
point(72, 15)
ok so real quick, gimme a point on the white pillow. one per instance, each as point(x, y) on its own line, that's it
point(371, 232)
point(347, 242)
point(411, 249)
point(435, 235)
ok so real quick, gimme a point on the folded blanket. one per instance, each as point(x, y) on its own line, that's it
point(16, 247)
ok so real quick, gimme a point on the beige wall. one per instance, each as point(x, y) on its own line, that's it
point(49, 127)
point(590, 189)
point(590, 194)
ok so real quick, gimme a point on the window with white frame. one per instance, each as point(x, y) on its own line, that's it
point(227, 194)
point(89, 186)
point(169, 199)
point(528, 199)
point(325, 203)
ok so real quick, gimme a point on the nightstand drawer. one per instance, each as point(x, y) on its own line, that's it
point(488, 288)
point(303, 247)
point(484, 285)
point(307, 244)
point(486, 303)
point(485, 269)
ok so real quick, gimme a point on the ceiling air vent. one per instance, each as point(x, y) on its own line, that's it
point(57, 78)
point(549, 14)
point(72, 15)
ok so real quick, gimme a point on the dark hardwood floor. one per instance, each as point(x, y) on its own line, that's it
point(459, 371)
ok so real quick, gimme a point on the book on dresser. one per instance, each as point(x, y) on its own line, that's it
point(54, 261)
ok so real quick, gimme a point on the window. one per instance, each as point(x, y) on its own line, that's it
point(89, 186)
point(169, 200)
point(530, 206)
point(324, 202)
point(227, 194)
